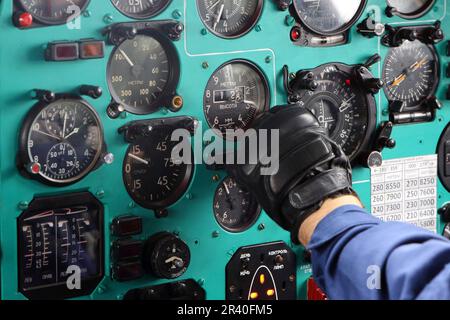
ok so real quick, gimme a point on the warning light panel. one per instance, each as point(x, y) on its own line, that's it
point(92, 49)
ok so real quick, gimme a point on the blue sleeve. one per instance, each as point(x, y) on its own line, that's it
point(356, 256)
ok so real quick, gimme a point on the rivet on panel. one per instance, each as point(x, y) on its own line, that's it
point(258, 28)
point(289, 20)
point(100, 193)
point(87, 13)
point(215, 234)
point(108, 18)
point(216, 178)
point(23, 205)
point(204, 32)
point(268, 59)
point(189, 196)
point(176, 14)
point(261, 227)
point(205, 65)
point(201, 282)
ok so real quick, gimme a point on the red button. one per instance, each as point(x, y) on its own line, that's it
point(25, 20)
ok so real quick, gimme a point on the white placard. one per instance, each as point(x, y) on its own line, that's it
point(406, 190)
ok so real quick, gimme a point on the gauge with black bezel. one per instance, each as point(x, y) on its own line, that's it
point(141, 9)
point(408, 9)
point(324, 22)
point(411, 74)
point(53, 12)
point(152, 176)
point(144, 70)
point(60, 141)
point(230, 19)
point(235, 208)
point(335, 93)
point(235, 95)
point(60, 237)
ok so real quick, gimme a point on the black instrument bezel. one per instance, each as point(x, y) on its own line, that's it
point(144, 16)
point(255, 68)
point(249, 27)
point(436, 75)
point(416, 14)
point(50, 22)
point(338, 31)
point(369, 136)
point(22, 157)
point(60, 291)
point(169, 91)
point(255, 215)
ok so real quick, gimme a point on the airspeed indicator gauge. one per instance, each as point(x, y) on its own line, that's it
point(54, 12)
point(143, 73)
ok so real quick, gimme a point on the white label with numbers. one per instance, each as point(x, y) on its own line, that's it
point(405, 190)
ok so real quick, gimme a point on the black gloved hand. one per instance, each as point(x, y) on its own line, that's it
point(312, 168)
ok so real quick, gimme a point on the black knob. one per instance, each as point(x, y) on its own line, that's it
point(43, 95)
point(370, 28)
point(91, 91)
point(114, 110)
point(166, 256)
point(304, 80)
point(445, 213)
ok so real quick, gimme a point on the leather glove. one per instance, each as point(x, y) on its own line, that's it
point(312, 168)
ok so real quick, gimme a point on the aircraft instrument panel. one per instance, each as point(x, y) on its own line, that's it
point(92, 204)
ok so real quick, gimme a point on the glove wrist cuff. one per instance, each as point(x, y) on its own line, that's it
point(307, 198)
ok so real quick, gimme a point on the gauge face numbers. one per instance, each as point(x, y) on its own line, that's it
point(411, 74)
point(341, 108)
point(54, 241)
point(54, 12)
point(411, 9)
point(166, 256)
point(139, 71)
point(152, 178)
point(327, 17)
point(64, 141)
point(235, 208)
point(235, 95)
point(230, 19)
point(141, 9)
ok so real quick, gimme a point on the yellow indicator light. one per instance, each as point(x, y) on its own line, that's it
point(270, 293)
point(262, 279)
point(254, 295)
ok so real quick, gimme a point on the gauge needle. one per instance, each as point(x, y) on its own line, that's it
point(173, 259)
point(226, 188)
point(219, 16)
point(48, 135)
point(138, 159)
point(75, 131)
point(126, 57)
point(398, 80)
point(64, 126)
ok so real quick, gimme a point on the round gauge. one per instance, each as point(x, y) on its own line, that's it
point(61, 142)
point(235, 208)
point(410, 9)
point(141, 9)
point(152, 178)
point(54, 12)
point(235, 95)
point(166, 256)
point(411, 74)
point(143, 73)
point(343, 108)
point(230, 19)
point(329, 17)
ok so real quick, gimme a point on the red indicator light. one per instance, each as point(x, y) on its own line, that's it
point(348, 82)
point(295, 34)
point(92, 50)
point(66, 52)
point(25, 20)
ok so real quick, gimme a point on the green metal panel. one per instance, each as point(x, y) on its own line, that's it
point(23, 68)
